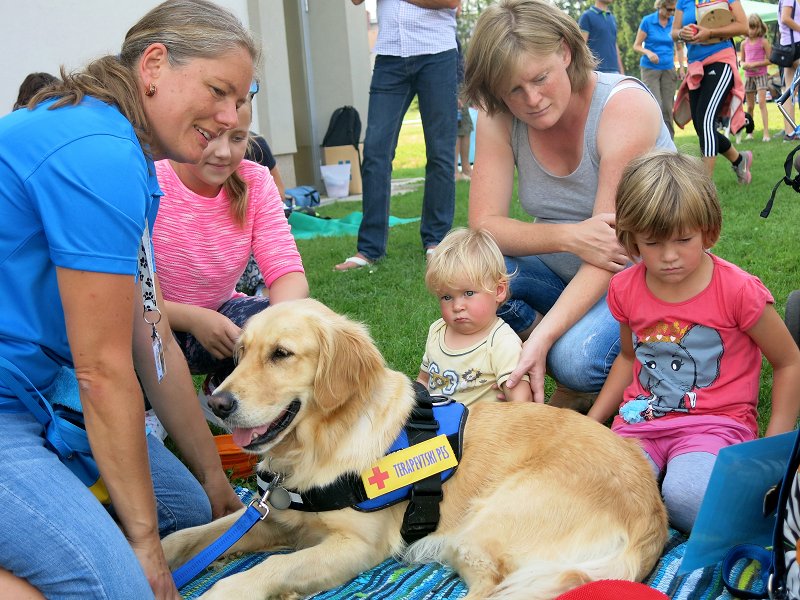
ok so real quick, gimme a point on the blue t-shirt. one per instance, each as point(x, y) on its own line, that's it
point(602, 29)
point(698, 52)
point(658, 40)
point(76, 191)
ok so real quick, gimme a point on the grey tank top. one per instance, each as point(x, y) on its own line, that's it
point(569, 199)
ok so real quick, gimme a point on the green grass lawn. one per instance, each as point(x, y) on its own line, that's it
point(391, 297)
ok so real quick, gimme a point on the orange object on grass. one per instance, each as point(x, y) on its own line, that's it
point(234, 459)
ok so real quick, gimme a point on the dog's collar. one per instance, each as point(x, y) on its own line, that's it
point(427, 420)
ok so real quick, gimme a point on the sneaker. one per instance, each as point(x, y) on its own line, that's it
point(766, 138)
point(738, 138)
point(749, 136)
point(789, 137)
point(743, 169)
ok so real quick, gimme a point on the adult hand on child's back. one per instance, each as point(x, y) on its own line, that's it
point(596, 243)
point(216, 333)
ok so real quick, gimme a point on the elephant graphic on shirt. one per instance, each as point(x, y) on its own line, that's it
point(673, 367)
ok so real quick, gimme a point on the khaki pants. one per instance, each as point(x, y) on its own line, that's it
point(663, 85)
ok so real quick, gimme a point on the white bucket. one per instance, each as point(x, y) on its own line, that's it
point(337, 180)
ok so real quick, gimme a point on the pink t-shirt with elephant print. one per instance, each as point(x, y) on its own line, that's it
point(692, 357)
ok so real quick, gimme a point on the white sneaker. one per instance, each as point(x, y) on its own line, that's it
point(743, 173)
point(155, 426)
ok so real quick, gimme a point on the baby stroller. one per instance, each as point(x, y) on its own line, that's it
point(791, 178)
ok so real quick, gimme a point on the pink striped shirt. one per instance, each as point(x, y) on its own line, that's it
point(201, 252)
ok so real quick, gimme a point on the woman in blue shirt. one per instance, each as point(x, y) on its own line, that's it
point(712, 57)
point(79, 190)
point(654, 42)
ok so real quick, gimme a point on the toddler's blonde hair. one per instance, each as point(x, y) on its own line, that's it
point(470, 254)
point(663, 194)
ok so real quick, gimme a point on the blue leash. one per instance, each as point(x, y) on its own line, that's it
point(256, 511)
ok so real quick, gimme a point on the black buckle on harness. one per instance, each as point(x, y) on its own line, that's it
point(422, 514)
point(418, 426)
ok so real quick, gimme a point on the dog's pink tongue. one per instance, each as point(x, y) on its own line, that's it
point(243, 435)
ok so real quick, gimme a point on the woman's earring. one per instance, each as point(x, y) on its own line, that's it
point(151, 91)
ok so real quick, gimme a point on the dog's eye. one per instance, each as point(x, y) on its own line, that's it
point(238, 353)
point(280, 353)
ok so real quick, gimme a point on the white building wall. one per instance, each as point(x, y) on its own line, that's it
point(42, 35)
point(296, 101)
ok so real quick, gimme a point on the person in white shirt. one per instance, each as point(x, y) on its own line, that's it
point(416, 56)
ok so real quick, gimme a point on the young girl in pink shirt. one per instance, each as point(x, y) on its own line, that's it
point(212, 216)
point(754, 57)
point(693, 328)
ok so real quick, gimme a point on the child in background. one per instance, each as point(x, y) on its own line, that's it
point(754, 56)
point(470, 351)
point(31, 85)
point(212, 216)
point(693, 328)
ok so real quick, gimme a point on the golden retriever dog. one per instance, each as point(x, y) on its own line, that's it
point(543, 499)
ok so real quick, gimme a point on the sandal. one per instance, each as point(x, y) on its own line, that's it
point(353, 263)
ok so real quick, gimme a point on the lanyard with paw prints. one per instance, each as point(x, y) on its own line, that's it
point(150, 311)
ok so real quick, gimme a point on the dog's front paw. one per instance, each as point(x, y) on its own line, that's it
point(178, 547)
point(244, 586)
point(235, 586)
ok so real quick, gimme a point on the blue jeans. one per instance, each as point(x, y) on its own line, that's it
point(200, 361)
point(395, 82)
point(582, 357)
point(55, 534)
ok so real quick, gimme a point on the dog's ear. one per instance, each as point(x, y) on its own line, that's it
point(349, 363)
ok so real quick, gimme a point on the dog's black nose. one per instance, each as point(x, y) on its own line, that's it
point(223, 404)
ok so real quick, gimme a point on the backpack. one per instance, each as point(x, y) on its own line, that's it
point(344, 129)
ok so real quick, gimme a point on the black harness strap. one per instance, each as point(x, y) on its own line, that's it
point(794, 183)
point(422, 513)
point(345, 492)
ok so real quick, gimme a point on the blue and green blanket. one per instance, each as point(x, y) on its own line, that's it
point(306, 227)
point(392, 580)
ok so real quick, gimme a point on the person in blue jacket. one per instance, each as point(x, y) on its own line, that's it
point(79, 192)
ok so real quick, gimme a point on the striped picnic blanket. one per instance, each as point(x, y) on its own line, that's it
point(393, 580)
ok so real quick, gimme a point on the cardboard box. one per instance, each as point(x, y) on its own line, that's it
point(333, 155)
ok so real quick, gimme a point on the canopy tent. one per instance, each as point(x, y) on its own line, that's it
point(768, 12)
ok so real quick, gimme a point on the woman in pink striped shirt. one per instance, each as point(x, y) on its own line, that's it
point(212, 216)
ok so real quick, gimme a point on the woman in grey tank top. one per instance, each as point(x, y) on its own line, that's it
point(568, 131)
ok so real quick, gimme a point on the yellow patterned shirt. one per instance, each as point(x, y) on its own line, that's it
point(468, 374)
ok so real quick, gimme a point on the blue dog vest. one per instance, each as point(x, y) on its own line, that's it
point(348, 491)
